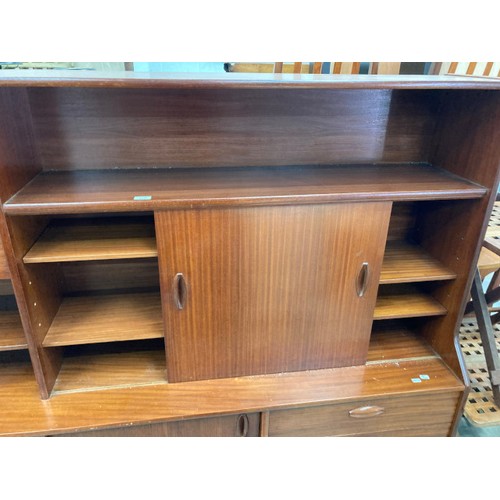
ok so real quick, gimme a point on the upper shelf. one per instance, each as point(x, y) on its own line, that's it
point(124, 79)
point(86, 191)
point(405, 263)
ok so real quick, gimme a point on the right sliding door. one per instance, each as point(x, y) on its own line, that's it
point(256, 290)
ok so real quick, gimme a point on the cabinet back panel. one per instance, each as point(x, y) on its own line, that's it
point(104, 276)
point(79, 128)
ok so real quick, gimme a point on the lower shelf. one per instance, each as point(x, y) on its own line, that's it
point(11, 332)
point(127, 365)
point(106, 318)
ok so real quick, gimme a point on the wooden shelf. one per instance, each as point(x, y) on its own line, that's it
point(11, 332)
point(405, 263)
point(406, 303)
point(106, 318)
point(73, 240)
point(88, 370)
point(87, 191)
point(396, 342)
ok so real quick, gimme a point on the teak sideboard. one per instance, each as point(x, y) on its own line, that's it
point(239, 255)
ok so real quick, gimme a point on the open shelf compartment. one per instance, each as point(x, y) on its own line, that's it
point(91, 319)
point(394, 302)
point(407, 263)
point(77, 240)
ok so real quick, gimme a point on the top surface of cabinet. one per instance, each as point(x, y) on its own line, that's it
point(26, 78)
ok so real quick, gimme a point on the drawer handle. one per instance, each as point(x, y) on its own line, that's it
point(242, 426)
point(362, 280)
point(366, 411)
point(180, 291)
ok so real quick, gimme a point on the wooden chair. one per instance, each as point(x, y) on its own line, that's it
point(482, 303)
point(335, 68)
point(491, 69)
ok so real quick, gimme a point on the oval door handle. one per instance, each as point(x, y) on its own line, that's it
point(180, 291)
point(242, 426)
point(366, 411)
point(362, 279)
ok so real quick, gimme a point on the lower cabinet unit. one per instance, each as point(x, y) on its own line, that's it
point(242, 425)
point(426, 414)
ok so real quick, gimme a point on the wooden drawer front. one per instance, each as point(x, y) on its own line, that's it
point(368, 417)
point(244, 425)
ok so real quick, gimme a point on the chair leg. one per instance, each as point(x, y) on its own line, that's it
point(487, 336)
point(495, 281)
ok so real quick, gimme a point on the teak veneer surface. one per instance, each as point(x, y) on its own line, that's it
point(4, 268)
point(148, 189)
point(163, 402)
point(86, 240)
point(106, 318)
point(120, 365)
point(103, 370)
point(11, 331)
point(405, 263)
point(396, 342)
point(269, 289)
point(409, 303)
point(102, 79)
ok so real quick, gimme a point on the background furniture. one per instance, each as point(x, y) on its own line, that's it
point(290, 252)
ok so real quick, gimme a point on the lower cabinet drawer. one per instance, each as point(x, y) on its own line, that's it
point(421, 415)
point(243, 425)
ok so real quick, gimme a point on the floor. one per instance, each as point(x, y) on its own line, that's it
point(466, 429)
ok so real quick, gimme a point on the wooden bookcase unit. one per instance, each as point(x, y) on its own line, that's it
point(242, 255)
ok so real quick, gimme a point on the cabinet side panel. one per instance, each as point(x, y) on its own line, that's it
point(269, 289)
point(467, 144)
point(19, 164)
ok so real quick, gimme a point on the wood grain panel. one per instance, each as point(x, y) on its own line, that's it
point(70, 240)
point(19, 161)
point(6, 288)
point(106, 318)
point(467, 143)
point(111, 276)
point(4, 267)
point(104, 128)
point(25, 414)
point(405, 263)
point(396, 413)
point(191, 81)
point(269, 289)
point(84, 369)
point(117, 190)
point(427, 430)
point(11, 331)
point(406, 302)
point(230, 426)
point(133, 364)
point(394, 341)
